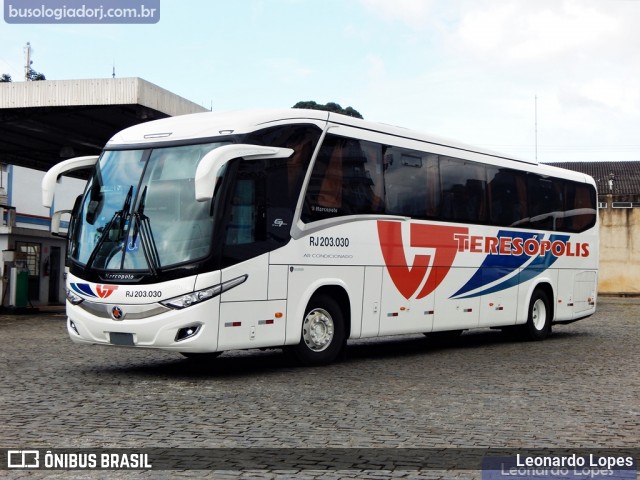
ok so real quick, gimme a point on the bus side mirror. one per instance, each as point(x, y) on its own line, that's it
point(51, 177)
point(213, 162)
point(55, 222)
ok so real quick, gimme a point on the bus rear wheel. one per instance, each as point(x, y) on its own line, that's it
point(538, 326)
point(322, 337)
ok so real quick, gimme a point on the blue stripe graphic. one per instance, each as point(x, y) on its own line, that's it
point(497, 266)
point(83, 289)
point(501, 266)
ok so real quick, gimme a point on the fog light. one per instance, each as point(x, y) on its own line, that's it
point(73, 326)
point(187, 332)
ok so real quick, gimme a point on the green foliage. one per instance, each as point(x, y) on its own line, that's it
point(35, 76)
point(329, 107)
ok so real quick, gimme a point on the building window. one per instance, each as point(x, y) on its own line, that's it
point(30, 252)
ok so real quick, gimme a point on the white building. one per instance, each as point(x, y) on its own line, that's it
point(25, 240)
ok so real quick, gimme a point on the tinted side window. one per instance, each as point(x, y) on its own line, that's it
point(302, 139)
point(357, 177)
point(507, 196)
point(580, 207)
point(463, 190)
point(412, 184)
point(545, 202)
point(258, 217)
point(263, 196)
point(346, 180)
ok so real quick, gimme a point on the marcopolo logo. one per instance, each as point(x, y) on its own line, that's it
point(97, 291)
point(81, 11)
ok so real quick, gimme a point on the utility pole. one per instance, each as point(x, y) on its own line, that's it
point(27, 61)
point(535, 108)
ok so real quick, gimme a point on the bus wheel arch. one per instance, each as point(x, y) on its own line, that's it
point(325, 327)
point(540, 313)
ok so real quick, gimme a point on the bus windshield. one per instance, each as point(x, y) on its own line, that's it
point(139, 211)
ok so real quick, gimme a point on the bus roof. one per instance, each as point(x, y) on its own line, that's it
point(209, 125)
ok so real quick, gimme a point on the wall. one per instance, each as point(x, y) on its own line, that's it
point(619, 250)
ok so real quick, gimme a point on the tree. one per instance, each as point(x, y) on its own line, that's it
point(35, 76)
point(329, 107)
point(5, 77)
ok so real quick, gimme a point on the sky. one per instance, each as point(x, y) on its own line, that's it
point(552, 80)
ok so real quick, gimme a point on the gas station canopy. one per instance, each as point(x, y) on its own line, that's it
point(45, 122)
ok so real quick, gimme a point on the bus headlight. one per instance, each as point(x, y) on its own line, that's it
point(192, 298)
point(72, 297)
point(196, 297)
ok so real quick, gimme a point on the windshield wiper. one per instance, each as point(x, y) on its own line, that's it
point(142, 226)
point(119, 215)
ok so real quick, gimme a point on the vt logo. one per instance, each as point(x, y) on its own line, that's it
point(407, 279)
point(101, 291)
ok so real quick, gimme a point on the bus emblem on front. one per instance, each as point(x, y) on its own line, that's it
point(117, 313)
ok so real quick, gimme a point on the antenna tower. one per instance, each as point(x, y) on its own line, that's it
point(27, 60)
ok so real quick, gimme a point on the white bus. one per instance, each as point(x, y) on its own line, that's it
point(302, 229)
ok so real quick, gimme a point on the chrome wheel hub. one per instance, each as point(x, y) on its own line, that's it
point(539, 314)
point(318, 329)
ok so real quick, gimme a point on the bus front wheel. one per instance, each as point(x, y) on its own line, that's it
point(322, 336)
point(538, 326)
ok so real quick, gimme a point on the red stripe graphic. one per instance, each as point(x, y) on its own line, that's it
point(408, 279)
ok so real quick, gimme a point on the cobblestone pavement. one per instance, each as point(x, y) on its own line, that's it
point(578, 389)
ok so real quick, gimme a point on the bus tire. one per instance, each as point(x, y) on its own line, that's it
point(322, 336)
point(538, 326)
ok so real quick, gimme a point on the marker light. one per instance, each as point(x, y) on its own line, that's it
point(194, 298)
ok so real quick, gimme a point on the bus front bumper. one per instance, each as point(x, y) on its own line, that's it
point(148, 326)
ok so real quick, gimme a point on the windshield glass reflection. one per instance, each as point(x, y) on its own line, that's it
point(163, 226)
